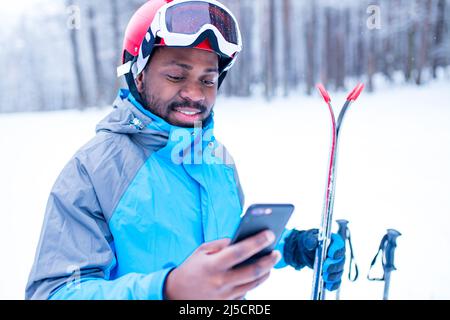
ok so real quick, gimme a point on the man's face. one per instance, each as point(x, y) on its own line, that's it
point(180, 85)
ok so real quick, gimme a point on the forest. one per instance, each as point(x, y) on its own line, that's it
point(63, 54)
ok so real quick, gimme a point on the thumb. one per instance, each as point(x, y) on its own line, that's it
point(310, 239)
point(214, 246)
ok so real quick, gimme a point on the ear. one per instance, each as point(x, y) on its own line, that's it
point(140, 82)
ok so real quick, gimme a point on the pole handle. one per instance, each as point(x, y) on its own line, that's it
point(391, 244)
point(343, 228)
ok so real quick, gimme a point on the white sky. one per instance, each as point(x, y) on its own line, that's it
point(16, 7)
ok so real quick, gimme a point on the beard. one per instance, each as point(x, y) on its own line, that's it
point(168, 111)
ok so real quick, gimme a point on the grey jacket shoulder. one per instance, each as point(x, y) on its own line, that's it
point(75, 234)
point(111, 161)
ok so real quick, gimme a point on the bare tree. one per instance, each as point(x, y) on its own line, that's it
point(246, 63)
point(287, 44)
point(288, 77)
point(115, 27)
point(411, 44)
point(424, 39)
point(270, 51)
point(439, 30)
point(310, 41)
point(73, 37)
point(99, 77)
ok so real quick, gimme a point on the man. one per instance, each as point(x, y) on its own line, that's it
point(145, 210)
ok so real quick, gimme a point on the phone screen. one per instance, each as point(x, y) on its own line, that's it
point(259, 217)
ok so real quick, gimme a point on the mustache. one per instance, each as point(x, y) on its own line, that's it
point(186, 104)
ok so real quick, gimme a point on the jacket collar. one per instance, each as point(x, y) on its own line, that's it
point(151, 131)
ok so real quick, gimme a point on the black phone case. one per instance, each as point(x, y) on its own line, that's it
point(259, 217)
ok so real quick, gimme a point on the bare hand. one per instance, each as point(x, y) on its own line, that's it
point(208, 273)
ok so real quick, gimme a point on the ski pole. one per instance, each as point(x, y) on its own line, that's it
point(318, 292)
point(392, 236)
point(344, 232)
point(387, 247)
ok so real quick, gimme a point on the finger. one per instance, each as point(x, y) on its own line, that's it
point(310, 239)
point(332, 285)
point(252, 272)
point(332, 277)
point(331, 265)
point(243, 289)
point(241, 251)
point(214, 246)
point(336, 249)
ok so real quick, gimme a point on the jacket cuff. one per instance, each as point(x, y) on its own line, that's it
point(280, 247)
point(155, 283)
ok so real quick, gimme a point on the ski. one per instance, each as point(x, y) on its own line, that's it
point(318, 291)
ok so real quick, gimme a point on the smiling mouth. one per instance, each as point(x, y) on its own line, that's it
point(188, 111)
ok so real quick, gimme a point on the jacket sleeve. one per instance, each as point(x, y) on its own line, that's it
point(75, 255)
point(280, 247)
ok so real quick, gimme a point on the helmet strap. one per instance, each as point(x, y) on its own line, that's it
point(221, 78)
point(133, 89)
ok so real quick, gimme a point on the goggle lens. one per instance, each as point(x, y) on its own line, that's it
point(189, 17)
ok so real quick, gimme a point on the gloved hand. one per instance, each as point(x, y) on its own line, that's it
point(300, 251)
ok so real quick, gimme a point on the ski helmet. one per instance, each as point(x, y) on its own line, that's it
point(201, 24)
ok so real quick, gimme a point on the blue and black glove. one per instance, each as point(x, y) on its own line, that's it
point(300, 251)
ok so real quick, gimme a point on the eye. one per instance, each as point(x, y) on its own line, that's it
point(174, 78)
point(209, 83)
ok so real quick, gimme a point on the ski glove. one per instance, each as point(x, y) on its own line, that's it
point(300, 251)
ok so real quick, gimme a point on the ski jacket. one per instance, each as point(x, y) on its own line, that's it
point(131, 205)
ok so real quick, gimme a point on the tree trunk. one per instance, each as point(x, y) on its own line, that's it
point(287, 48)
point(116, 27)
point(98, 73)
point(371, 61)
point(361, 55)
point(425, 35)
point(438, 38)
point(270, 49)
point(387, 59)
point(340, 53)
point(409, 65)
point(327, 51)
point(311, 29)
point(245, 15)
point(81, 89)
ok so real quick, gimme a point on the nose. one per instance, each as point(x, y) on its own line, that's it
point(192, 92)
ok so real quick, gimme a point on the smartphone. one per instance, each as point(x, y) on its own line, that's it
point(259, 217)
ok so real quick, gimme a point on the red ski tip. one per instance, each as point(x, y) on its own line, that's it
point(356, 92)
point(324, 93)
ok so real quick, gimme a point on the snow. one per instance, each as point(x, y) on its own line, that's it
point(393, 172)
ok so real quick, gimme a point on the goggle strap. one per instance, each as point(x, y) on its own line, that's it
point(124, 69)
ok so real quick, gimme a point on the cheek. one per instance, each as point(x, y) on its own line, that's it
point(211, 98)
point(160, 90)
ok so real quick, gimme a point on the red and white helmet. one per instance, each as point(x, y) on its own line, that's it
point(202, 24)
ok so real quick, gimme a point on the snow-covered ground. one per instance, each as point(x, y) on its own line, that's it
point(393, 173)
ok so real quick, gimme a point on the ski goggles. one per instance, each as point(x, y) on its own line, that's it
point(182, 22)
